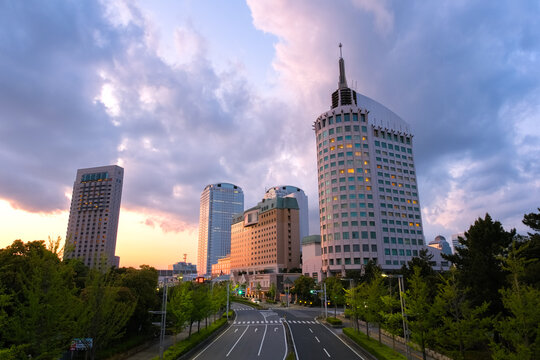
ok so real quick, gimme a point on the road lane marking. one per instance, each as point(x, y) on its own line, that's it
point(275, 329)
point(262, 341)
point(256, 329)
point(294, 344)
point(316, 338)
point(237, 341)
point(216, 339)
point(326, 352)
point(311, 330)
point(285, 339)
point(340, 339)
point(236, 330)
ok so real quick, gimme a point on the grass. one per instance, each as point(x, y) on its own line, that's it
point(334, 321)
point(380, 351)
point(182, 347)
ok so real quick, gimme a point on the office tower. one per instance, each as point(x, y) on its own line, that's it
point(219, 203)
point(266, 237)
point(300, 196)
point(93, 216)
point(368, 197)
point(440, 243)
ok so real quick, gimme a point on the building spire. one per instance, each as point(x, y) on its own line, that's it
point(342, 80)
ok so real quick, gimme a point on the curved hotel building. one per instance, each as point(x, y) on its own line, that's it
point(368, 197)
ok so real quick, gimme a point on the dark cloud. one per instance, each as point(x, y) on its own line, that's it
point(81, 86)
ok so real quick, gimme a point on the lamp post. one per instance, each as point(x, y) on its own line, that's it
point(403, 315)
point(163, 322)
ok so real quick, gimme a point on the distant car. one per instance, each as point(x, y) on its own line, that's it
point(256, 301)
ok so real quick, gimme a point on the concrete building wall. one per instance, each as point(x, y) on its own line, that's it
point(94, 215)
point(368, 196)
point(266, 238)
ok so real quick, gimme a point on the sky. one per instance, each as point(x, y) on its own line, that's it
point(187, 93)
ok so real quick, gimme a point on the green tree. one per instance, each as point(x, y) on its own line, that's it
point(106, 309)
point(142, 282)
point(271, 293)
point(531, 271)
point(374, 304)
point(302, 287)
point(418, 306)
point(391, 316)
point(38, 306)
point(181, 306)
point(478, 262)
point(334, 291)
point(462, 325)
point(357, 298)
point(520, 329)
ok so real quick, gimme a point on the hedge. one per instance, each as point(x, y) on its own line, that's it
point(182, 347)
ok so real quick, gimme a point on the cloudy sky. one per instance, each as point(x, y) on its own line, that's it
point(187, 93)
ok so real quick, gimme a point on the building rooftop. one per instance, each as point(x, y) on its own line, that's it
point(311, 239)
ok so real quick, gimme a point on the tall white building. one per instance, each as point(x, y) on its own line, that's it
point(301, 198)
point(219, 203)
point(368, 196)
point(93, 216)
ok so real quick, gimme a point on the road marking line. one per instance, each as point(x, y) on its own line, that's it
point(256, 329)
point(311, 330)
point(236, 330)
point(285, 339)
point(237, 341)
point(340, 339)
point(275, 329)
point(294, 344)
point(216, 339)
point(262, 341)
point(326, 352)
point(316, 338)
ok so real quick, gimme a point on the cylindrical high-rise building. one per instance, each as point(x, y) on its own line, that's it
point(368, 196)
point(219, 203)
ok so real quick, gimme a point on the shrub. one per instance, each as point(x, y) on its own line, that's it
point(182, 347)
point(334, 321)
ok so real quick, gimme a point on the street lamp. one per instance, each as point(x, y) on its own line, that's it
point(163, 321)
point(402, 304)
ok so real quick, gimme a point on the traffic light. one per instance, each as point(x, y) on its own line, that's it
point(313, 291)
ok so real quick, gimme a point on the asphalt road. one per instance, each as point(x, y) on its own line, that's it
point(260, 335)
point(255, 334)
point(312, 340)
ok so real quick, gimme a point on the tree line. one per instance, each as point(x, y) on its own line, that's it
point(45, 302)
point(486, 306)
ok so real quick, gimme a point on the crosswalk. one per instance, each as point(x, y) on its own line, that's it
point(244, 309)
point(262, 322)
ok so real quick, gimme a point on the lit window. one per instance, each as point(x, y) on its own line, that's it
point(350, 171)
point(332, 148)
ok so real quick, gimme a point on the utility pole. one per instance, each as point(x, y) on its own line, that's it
point(325, 303)
point(228, 286)
point(163, 319)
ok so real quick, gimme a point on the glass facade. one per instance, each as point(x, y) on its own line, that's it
point(219, 203)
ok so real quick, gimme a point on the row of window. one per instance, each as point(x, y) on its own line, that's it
point(348, 261)
point(391, 136)
point(347, 248)
point(338, 118)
